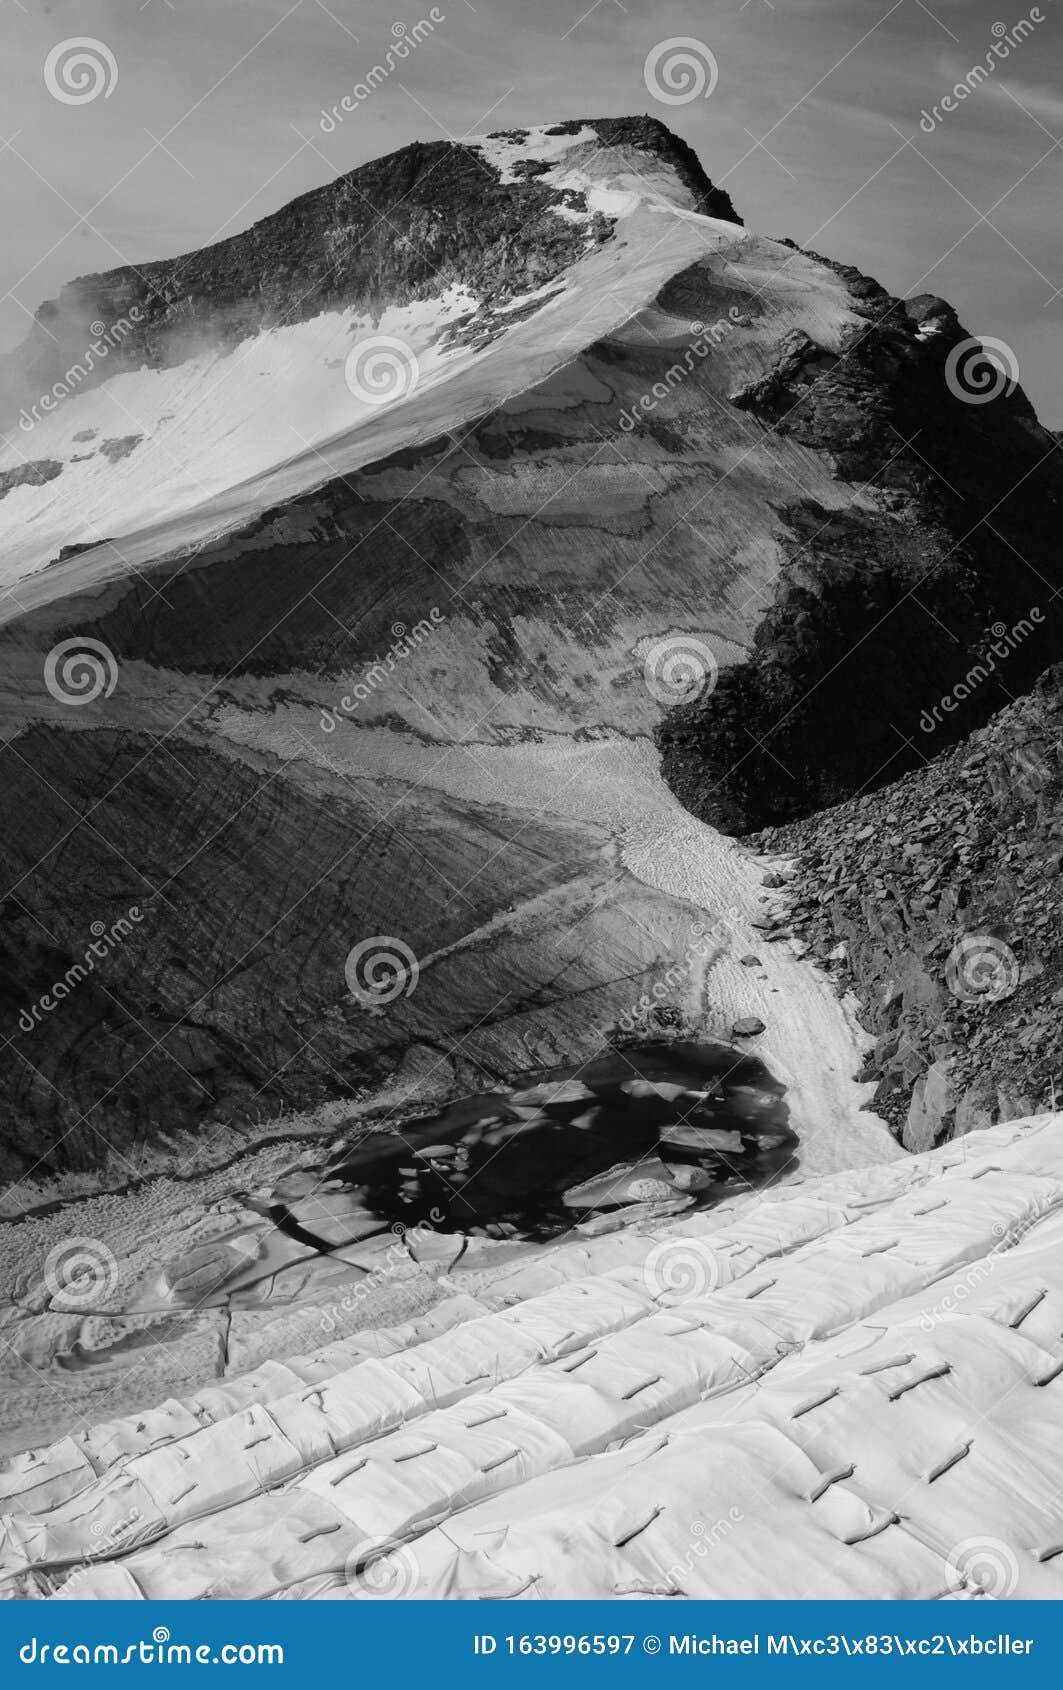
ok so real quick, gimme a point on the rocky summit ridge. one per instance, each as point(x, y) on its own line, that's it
point(433, 215)
point(881, 611)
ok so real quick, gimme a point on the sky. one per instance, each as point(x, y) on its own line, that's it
point(818, 116)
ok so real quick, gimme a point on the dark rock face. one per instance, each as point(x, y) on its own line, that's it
point(879, 615)
point(686, 1117)
point(120, 446)
point(396, 229)
point(224, 995)
point(391, 231)
point(939, 902)
point(651, 136)
point(29, 475)
point(310, 608)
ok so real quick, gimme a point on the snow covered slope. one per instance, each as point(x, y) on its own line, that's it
point(147, 446)
point(190, 448)
point(845, 1388)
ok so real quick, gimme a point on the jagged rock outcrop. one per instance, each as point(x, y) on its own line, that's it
point(881, 609)
point(939, 902)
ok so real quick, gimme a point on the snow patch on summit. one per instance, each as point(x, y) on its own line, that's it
point(612, 180)
point(536, 145)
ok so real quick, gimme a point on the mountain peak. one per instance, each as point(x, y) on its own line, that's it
point(644, 133)
point(497, 215)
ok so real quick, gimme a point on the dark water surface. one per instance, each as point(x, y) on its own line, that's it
point(655, 1122)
